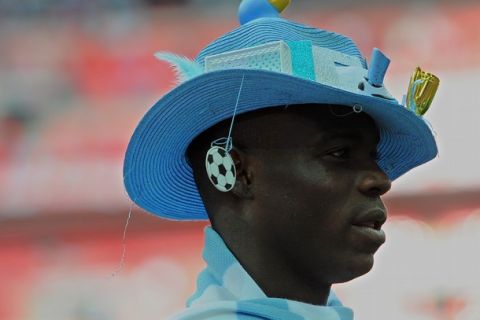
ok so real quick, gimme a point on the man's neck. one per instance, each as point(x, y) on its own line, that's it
point(273, 275)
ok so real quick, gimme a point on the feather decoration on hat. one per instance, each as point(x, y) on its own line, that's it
point(185, 69)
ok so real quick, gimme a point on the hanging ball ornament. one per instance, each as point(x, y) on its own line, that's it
point(220, 168)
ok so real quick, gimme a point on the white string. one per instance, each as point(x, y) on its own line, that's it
point(357, 108)
point(124, 243)
point(228, 146)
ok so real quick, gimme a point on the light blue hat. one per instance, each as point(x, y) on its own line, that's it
point(281, 63)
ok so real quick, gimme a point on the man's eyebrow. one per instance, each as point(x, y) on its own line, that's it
point(335, 135)
point(351, 135)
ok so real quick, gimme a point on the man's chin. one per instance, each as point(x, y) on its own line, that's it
point(356, 268)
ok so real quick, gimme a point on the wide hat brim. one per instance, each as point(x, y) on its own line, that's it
point(157, 176)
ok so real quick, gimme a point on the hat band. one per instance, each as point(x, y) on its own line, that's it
point(304, 60)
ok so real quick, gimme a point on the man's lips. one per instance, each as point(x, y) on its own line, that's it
point(373, 219)
point(369, 225)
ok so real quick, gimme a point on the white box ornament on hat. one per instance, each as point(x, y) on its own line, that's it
point(273, 56)
point(304, 60)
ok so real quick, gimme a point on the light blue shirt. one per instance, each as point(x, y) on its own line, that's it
point(225, 291)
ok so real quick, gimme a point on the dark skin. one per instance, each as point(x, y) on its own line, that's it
point(305, 211)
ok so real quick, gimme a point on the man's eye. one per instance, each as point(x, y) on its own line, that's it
point(339, 154)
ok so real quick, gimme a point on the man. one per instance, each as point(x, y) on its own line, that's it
point(283, 138)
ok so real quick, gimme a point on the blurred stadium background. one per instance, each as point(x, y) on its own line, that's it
point(75, 78)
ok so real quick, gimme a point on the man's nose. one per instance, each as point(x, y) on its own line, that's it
point(374, 183)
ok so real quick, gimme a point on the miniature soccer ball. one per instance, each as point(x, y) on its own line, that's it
point(220, 168)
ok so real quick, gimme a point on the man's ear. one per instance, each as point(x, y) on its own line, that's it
point(243, 182)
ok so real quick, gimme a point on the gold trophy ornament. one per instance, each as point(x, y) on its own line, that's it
point(421, 91)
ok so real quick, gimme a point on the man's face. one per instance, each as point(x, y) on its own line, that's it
point(317, 191)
